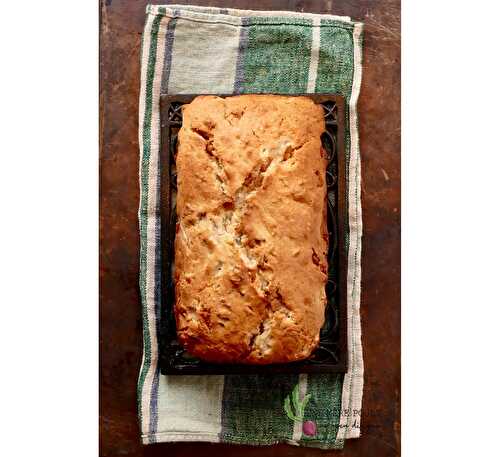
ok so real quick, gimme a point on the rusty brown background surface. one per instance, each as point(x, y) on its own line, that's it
point(120, 316)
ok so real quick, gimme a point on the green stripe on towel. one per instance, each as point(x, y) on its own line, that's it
point(276, 59)
point(252, 409)
point(143, 209)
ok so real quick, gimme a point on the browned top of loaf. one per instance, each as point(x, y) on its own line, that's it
point(250, 249)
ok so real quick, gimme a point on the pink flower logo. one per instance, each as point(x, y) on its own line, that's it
point(294, 409)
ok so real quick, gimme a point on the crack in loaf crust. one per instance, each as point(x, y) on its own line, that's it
point(251, 242)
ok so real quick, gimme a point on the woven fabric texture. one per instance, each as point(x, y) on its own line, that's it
point(189, 49)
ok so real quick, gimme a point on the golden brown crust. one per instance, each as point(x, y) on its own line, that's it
point(250, 249)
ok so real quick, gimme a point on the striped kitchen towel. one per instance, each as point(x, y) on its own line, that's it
point(189, 49)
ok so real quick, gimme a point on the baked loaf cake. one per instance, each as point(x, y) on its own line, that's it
point(251, 240)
